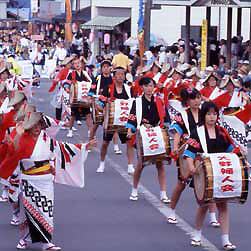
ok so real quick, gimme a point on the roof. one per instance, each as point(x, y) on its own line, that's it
point(77, 16)
point(230, 3)
point(40, 20)
point(104, 23)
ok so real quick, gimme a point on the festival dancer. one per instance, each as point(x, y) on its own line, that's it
point(211, 87)
point(34, 150)
point(210, 138)
point(117, 90)
point(78, 75)
point(181, 128)
point(232, 99)
point(57, 83)
point(152, 114)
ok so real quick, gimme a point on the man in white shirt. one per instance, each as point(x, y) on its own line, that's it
point(162, 56)
point(24, 42)
point(60, 53)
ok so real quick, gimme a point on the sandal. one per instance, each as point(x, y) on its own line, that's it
point(172, 220)
point(134, 197)
point(214, 224)
point(52, 247)
point(15, 222)
point(165, 200)
point(22, 245)
point(118, 151)
point(229, 246)
point(195, 243)
point(4, 199)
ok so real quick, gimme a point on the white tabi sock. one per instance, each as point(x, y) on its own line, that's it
point(212, 217)
point(116, 147)
point(225, 239)
point(172, 214)
point(102, 164)
point(134, 192)
point(197, 235)
point(163, 194)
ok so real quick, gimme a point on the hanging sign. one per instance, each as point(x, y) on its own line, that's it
point(204, 32)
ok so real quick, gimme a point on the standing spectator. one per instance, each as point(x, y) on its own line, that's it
point(181, 54)
point(222, 69)
point(136, 62)
point(234, 51)
point(38, 60)
point(149, 56)
point(60, 53)
point(172, 56)
point(85, 47)
point(213, 60)
point(223, 48)
point(77, 43)
point(162, 56)
point(91, 59)
point(120, 59)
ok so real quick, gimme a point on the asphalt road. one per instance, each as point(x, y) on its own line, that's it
point(100, 217)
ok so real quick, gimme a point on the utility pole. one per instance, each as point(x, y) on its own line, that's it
point(68, 21)
point(147, 17)
point(77, 5)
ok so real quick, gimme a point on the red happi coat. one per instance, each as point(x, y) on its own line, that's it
point(175, 88)
point(62, 75)
point(7, 122)
point(14, 154)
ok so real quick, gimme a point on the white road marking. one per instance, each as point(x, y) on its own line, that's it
point(164, 210)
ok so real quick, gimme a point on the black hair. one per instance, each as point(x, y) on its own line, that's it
point(121, 48)
point(106, 62)
point(205, 108)
point(146, 81)
point(187, 94)
point(247, 83)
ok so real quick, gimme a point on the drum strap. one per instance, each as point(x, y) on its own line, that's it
point(202, 136)
point(157, 77)
point(215, 93)
point(185, 119)
point(128, 90)
point(87, 77)
point(236, 100)
point(98, 84)
point(138, 111)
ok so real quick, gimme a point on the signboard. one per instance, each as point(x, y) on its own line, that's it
point(39, 37)
point(204, 34)
point(34, 6)
point(49, 9)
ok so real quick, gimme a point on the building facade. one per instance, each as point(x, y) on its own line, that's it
point(3, 9)
point(169, 21)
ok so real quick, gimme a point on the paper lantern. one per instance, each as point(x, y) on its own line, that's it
point(107, 38)
point(91, 36)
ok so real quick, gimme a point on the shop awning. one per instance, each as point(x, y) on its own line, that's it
point(104, 23)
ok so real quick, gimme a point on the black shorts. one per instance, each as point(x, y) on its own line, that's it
point(80, 111)
point(108, 137)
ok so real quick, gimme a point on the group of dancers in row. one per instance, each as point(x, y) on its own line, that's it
point(206, 117)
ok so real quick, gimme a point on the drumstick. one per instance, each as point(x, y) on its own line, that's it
point(181, 148)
